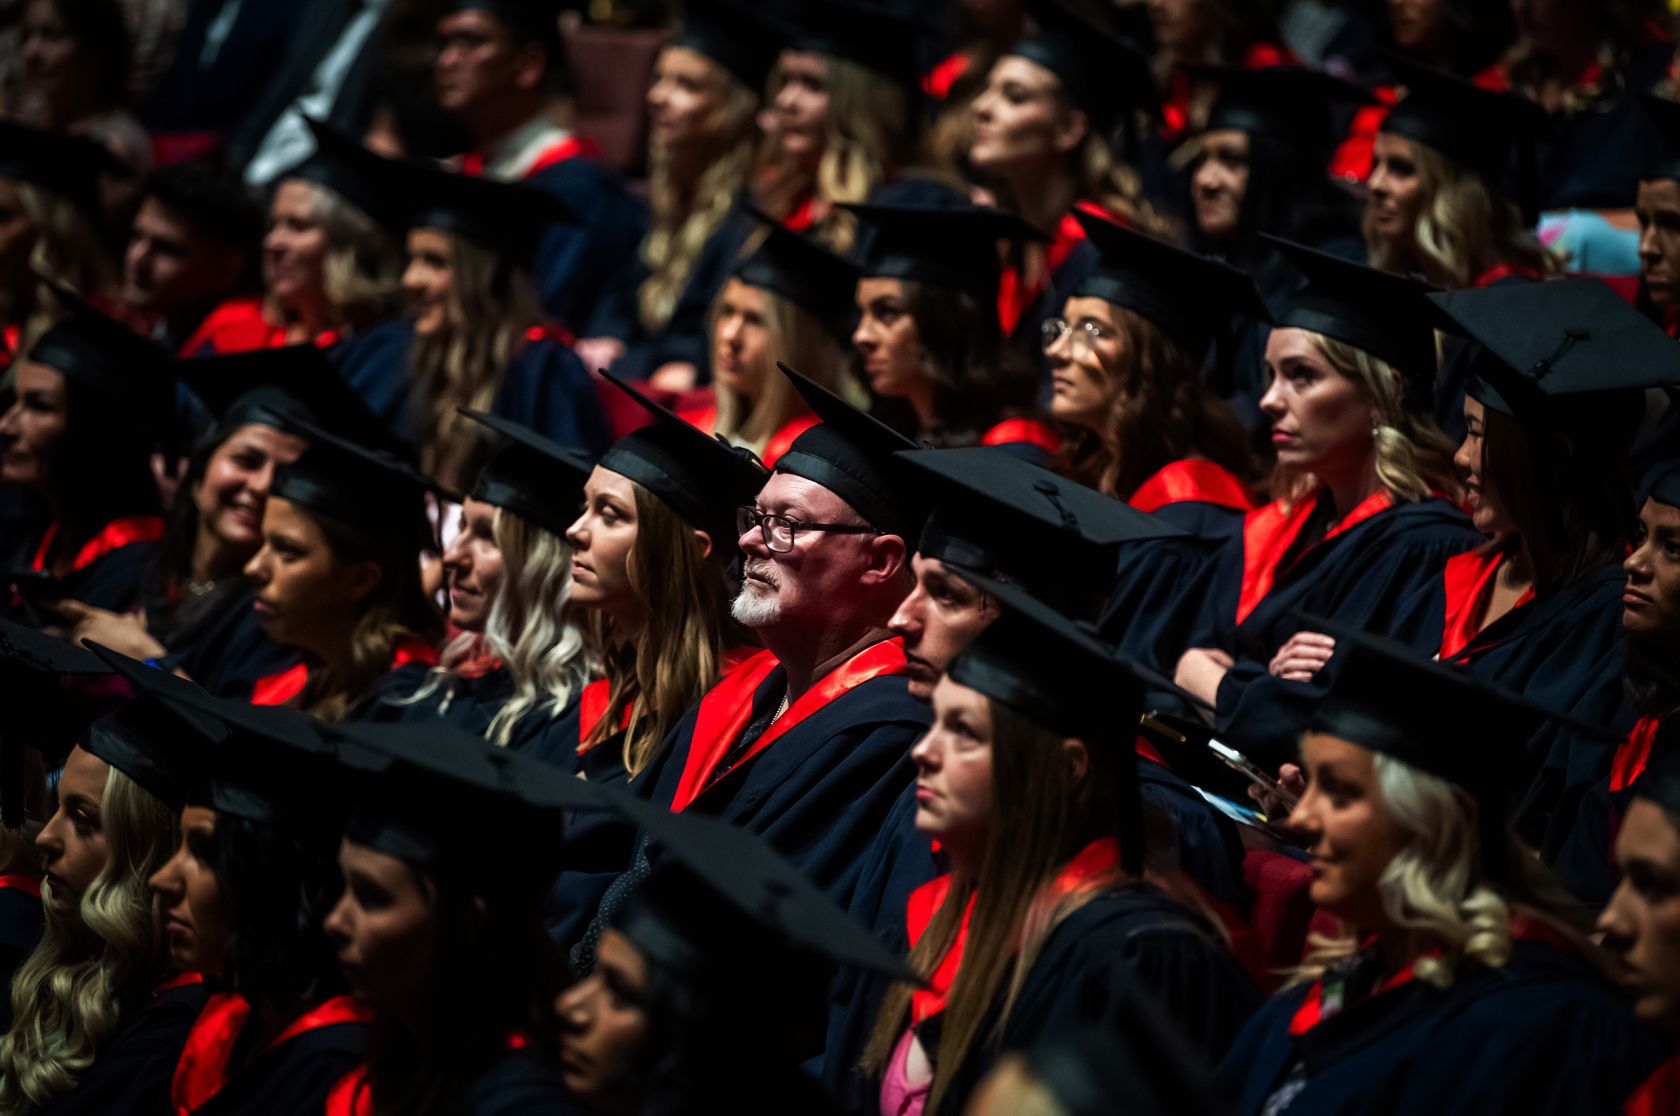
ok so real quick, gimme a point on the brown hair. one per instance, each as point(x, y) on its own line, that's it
point(67, 251)
point(798, 340)
point(362, 269)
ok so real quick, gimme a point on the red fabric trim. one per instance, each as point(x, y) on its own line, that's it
point(1098, 858)
point(726, 710)
point(1148, 751)
point(782, 441)
point(592, 706)
point(349, 1095)
point(1015, 298)
point(280, 687)
point(113, 536)
point(802, 216)
point(569, 148)
point(1468, 578)
point(202, 1071)
point(1192, 478)
point(1311, 1011)
point(938, 81)
point(179, 980)
point(1269, 531)
point(703, 419)
point(1633, 754)
point(551, 331)
point(1505, 271)
point(235, 326)
point(1659, 1095)
point(28, 884)
point(1027, 431)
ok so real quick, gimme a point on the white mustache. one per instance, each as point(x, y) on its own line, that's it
point(763, 569)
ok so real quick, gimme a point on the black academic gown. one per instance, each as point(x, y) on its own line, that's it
point(1540, 1034)
point(575, 258)
point(227, 651)
point(290, 1077)
point(521, 1084)
point(21, 923)
point(1359, 576)
point(468, 703)
point(132, 1075)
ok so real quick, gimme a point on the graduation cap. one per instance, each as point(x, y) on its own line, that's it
point(372, 489)
point(1102, 73)
point(1056, 672)
point(531, 476)
point(999, 515)
point(702, 478)
point(854, 456)
point(800, 269)
point(144, 741)
point(507, 218)
point(283, 387)
point(733, 918)
point(1385, 697)
point(33, 666)
point(875, 37)
point(1551, 347)
point(1667, 488)
point(343, 165)
point(69, 166)
point(97, 350)
point(1493, 134)
point(1283, 102)
point(1383, 314)
point(733, 36)
point(1189, 296)
point(1663, 161)
point(952, 245)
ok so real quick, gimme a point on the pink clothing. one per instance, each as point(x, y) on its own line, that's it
point(898, 1096)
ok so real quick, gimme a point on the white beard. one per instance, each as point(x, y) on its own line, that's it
point(754, 606)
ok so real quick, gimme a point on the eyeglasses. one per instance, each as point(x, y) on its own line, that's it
point(1085, 335)
point(779, 531)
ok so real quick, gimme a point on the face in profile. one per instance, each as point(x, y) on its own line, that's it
point(195, 919)
point(1321, 420)
point(741, 339)
point(33, 426)
point(472, 567)
point(295, 248)
point(939, 617)
point(1641, 924)
point(602, 538)
point(306, 597)
point(797, 118)
point(1651, 594)
point(1657, 208)
point(1394, 192)
point(604, 1026)
point(1349, 833)
point(1019, 121)
point(954, 771)
point(383, 929)
point(72, 843)
point(427, 280)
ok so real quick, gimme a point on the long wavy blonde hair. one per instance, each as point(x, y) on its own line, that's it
point(362, 269)
point(1463, 228)
point(798, 340)
point(1414, 459)
point(67, 251)
point(68, 997)
point(1433, 889)
point(685, 214)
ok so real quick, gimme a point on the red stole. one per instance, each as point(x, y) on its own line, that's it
point(704, 419)
point(1633, 754)
point(351, 1096)
point(1193, 478)
point(1469, 578)
point(937, 82)
point(569, 148)
point(1098, 859)
point(727, 709)
point(1659, 1095)
point(1505, 271)
point(283, 686)
point(203, 1069)
point(179, 980)
point(113, 536)
point(1015, 296)
point(592, 706)
point(1269, 532)
point(802, 216)
point(1026, 431)
point(29, 885)
point(1311, 1012)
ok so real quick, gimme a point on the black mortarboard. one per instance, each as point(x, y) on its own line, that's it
point(852, 455)
point(531, 476)
point(800, 269)
point(1383, 314)
point(1288, 103)
point(370, 489)
point(1189, 296)
point(1491, 133)
point(1660, 781)
point(727, 914)
point(527, 19)
point(1056, 672)
point(702, 478)
point(1102, 73)
point(343, 165)
point(875, 37)
point(508, 218)
point(733, 36)
point(37, 710)
point(994, 513)
point(161, 744)
point(953, 245)
point(1663, 160)
point(1387, 698)
point(1556, 342)
point(280, 387)
point(126, 370)
point(69, 166)
point(1667, 488)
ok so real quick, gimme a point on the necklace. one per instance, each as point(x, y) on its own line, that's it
point(780, 709)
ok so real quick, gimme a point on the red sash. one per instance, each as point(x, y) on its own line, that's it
point(1015, 297)
point(592, 706)
point(937, 82)
point(29, 885)
point(1659, 1096)
point(1468, 578)
point(1311, 1011)
point(1268, 533)
point(802, 216)
point(1095, 860)
point(1633, 754)
point(1193, 478)
point(283, 686)
point(569, 148)
point(1505, 271)
point(113, 536)
point(1029, 431)
point(235, 326)
point(179, 980)
point(703, 419)
point(727, 709)
point(782, 441)
point(202, 1071)
point(350, 1095)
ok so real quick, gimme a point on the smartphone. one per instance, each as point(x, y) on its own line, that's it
point(1252, 771)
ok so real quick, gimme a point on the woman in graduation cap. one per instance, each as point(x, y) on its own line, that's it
point(100, 1011)
point(702, 102)
point(474, 337)
point(88, 405)
point(438, 930)
point(927, 327)
point(1028, 781)
point(1457, 982)
point(790, 301)
point(521, 659)
point(337, 576)
point(1361, 516)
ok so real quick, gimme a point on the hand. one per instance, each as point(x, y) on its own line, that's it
point(1201, 669)
point(598, 352)
point(1290, 779)
point(123, 632)
point(677, 377)
point(1302, 656)
point(167, 475)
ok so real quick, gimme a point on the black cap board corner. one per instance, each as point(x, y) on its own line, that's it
point(951, 244)
point(732, 35)
point(354, 484)
point(532, 476)
point(286, 387)
point(1103, 72)
point(799, 268)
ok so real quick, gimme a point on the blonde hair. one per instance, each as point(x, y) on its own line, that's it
point(1414, 459)
point(798, 340)
point(492, 305)
point(67, 251)
point(1463, 228)
point(69, 994)
point(1433, 889)
point(683, 220)
point(362, 268)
